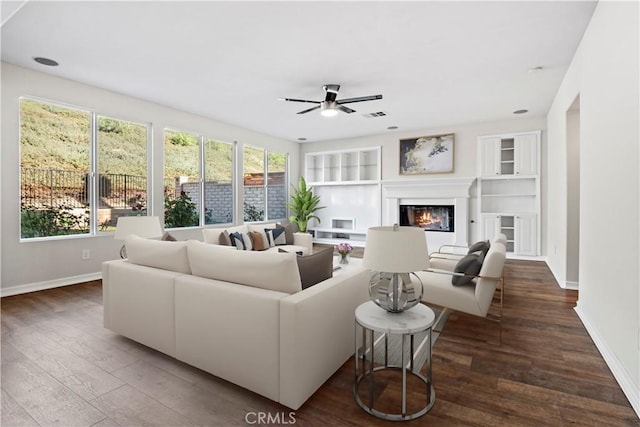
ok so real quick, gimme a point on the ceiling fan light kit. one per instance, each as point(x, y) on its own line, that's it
point(328, 109)
point(330, 106)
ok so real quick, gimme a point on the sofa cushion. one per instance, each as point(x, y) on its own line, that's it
point(224, 239)
point(469, 265)
point(168, 237)
point(316, 267)
point(261, 228)
point(242, 241)
point(481, 246)
point(267, 270)
point(212, 235)
point(276, 236)
point(257, 241)
point(170, 256)
point(288, 232)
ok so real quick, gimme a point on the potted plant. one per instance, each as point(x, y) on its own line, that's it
point(303, 205)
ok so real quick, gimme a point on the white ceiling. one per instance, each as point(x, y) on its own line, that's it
point(436, 63)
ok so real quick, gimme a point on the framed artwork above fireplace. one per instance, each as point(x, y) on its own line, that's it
point(426, 155)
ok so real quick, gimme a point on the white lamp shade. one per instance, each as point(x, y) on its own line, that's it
point(403, 250)
point(142, 226)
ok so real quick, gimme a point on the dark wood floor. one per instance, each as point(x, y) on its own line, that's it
point(539, 367)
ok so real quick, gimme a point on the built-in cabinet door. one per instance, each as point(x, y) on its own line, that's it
point(490, 225)
point(490, 157)
point(526, 154)
point(525, 242)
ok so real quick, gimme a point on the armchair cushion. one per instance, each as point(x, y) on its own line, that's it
point(481, 246)
point(470, 266)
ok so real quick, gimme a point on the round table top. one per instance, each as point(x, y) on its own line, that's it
point(416, 319)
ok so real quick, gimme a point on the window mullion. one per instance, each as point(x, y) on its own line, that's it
point(265, 174)
point(202, 182)
point(93, 167)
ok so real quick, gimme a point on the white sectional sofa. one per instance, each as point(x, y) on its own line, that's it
point(240, 315)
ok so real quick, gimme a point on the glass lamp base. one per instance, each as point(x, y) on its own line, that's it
point(395, 292)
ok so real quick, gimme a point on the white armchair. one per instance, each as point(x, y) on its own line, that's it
point(473, 298)
point(447, 256)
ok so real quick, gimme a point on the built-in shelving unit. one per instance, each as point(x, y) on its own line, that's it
point(509, 189)
point(348, 184)
point(348, 166)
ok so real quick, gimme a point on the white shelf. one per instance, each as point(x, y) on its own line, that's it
point(343, 167)
point(510, 195)
point(320, 183)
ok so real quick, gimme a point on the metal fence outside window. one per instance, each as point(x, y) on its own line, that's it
point(42, 188)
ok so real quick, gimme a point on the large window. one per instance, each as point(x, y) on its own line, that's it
point(265, 190)
point(62, 190)
point(254, 188)
point(190, 161)
point(218, 182)
point(122, 171)
point(276, 186)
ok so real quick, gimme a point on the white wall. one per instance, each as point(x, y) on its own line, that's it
point(465, 152)
point(604, 72)
point(573, 195)
point(29, 265)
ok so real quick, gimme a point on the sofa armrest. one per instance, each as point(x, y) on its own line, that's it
point(139, 303)
point(317, 332)
point(452, 250)
point(304, 240)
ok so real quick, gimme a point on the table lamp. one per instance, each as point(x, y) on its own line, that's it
point(393, 254)
point(141, 226)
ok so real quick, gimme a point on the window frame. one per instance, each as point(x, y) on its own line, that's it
point(92, 189)
point(202, 137)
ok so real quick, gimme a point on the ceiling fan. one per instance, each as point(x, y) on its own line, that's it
point(330, 106)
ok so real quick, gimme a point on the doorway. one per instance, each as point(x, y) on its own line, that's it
point(573, 194)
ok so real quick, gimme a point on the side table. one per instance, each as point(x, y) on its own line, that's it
point(370, 319)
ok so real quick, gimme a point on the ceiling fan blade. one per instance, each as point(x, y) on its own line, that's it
point(299, 100)
point(345, 109)
point(310, 109)
point(358, 99)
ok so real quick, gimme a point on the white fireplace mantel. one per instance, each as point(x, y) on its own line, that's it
point(435, 191)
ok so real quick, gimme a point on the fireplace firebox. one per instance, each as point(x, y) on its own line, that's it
point(428, 217)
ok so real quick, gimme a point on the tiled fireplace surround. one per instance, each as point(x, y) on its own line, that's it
point(436, 191)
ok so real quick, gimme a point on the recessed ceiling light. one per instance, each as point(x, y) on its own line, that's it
point(45, 61)
point(534, 69)
point(520, 111)
point(302, 139)
point(392, 127)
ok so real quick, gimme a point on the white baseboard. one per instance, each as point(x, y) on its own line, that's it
point(629, 388)
point(570, 285)
point(49, 284)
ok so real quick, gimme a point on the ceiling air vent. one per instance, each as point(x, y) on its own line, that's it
point(378, 114)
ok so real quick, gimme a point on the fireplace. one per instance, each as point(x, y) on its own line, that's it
point(428, 217)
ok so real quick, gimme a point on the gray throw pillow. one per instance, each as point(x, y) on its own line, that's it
point(469, 265)
point(481, 246)
point(288, 232)
point(316, 267)
point(167, 237)
point(224, 239)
